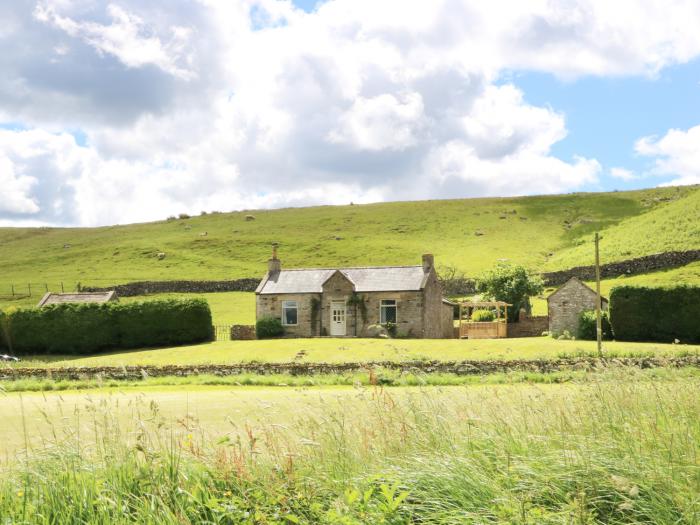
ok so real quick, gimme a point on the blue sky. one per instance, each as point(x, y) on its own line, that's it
point(606, 116)
point(126, 111)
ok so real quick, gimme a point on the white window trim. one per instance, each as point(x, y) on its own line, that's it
point(285, 307)
point(396, 306)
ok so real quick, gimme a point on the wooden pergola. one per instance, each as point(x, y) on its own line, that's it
point(483, 330)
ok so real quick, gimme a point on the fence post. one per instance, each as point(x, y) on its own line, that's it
point(29, 289)
point(46, 285)
point(62, 287)
point(13, 289)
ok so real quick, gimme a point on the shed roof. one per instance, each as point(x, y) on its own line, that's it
point(366, 279)
point(576, 281)
point(77, 297)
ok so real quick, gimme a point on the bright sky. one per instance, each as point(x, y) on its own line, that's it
point(132, 110)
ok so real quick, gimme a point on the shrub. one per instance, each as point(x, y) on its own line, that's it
point(268, 327)
point(655, 314)
point(587, 325)
point(90, 328)
point(391, 329)
point(483, 316)
point(183, 216)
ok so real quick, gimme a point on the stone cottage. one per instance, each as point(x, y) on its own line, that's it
point(566, 304)
point(344, 302)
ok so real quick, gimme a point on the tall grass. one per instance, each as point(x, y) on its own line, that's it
point(600, 452)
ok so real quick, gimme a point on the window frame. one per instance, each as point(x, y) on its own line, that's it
point(285, 307)
point(382, 311)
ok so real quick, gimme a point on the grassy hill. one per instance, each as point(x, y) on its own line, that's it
point(470, 234)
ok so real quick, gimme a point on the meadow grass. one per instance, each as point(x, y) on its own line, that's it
point(338, 350)
point(525, 230)
point(601, 451)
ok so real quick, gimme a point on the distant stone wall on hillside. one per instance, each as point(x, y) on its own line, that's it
point(648, 263)
point(451, 287)
point(151, 287)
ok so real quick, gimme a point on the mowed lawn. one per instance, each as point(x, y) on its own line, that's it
point(359, 350)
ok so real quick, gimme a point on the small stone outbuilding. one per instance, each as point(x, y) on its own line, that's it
point(345, 302)
point(566, 304)
point(77, 297)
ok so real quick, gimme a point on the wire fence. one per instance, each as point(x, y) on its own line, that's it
point(35, 289)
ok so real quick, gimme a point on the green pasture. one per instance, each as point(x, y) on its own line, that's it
point(609, 449)
point(469, 234)
point(334, 350)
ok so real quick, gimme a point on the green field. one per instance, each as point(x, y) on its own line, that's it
point(539, 232)
point(610, 449)
point(334, 350)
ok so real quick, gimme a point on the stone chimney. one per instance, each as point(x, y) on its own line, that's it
point(428, 262)
point(274, 265)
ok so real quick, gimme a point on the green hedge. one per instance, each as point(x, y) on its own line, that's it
point(656, 314)
point(587, 326)
point(91, 328)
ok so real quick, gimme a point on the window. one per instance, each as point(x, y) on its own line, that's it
point(289, 313)
point(387, 311)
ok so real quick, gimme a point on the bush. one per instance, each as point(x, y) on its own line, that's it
point(483, 316)
point(512, 284)
point(268, 327)
point(91, 328)
point(655, 314)
point(587, 325)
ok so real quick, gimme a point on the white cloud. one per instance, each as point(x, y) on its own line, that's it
point(128, 38)
point(381, 122)
point(676, 154)
point(238, 104)
point(623, 174)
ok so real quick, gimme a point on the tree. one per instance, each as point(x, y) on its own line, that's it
point(512, 284)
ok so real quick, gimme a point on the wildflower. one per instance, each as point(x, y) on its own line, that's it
point(20, 493)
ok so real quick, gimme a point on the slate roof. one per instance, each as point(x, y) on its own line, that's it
point(77, 297)
point(368, 279)
point(576, 280)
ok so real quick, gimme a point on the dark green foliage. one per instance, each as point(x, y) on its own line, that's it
point(391, 329)
point(656, 314)
point(587, 325)
point(512, 284)
point(90, 328)
point(483, 316)
point(268, 327)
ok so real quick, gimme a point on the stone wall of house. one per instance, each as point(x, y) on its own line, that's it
point(433, 313)
point(447, 322)
point(529, 326)
point(337, 288)
point(271, 306)
point(242, 332)
point(566, 306)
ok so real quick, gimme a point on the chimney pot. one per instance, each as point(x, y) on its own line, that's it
point(274, 265)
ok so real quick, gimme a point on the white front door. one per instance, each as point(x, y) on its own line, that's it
point(337, 318)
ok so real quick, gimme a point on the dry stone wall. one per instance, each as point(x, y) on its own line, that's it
point(648, 263)
point(152, 287)
point(529, 326)
point(304, 369)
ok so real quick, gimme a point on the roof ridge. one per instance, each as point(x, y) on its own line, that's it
point(350, 268)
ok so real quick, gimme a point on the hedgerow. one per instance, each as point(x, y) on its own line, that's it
point(91, 328)
point(656, 314)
